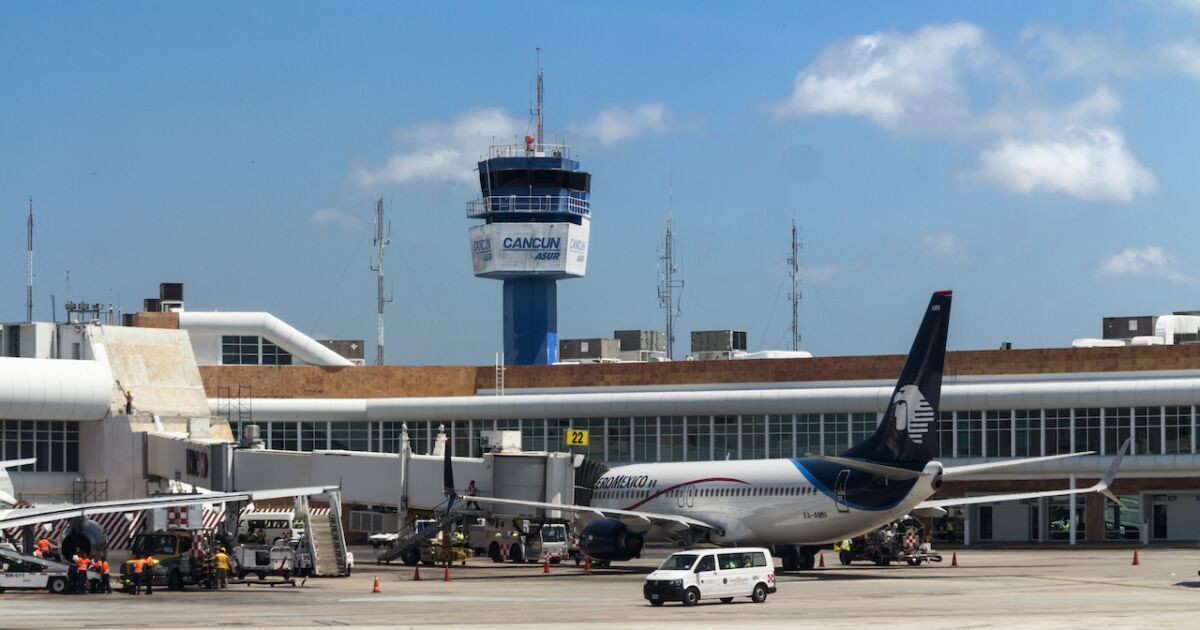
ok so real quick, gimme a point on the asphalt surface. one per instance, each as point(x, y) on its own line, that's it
point(1053, 588)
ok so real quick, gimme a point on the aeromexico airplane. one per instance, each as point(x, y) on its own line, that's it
point(795, 505)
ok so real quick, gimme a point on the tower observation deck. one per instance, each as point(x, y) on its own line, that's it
point(536, 208)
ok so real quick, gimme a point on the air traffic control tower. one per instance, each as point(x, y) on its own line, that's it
point(536, 207)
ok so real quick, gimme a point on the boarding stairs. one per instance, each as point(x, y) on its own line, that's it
point(327, 538)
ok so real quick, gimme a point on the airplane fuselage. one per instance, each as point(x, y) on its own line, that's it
point(765, 502)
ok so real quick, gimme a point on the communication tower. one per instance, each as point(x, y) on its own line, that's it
point(667, 283)
point(794, 296)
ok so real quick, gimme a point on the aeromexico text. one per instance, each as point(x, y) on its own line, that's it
point(625, 481)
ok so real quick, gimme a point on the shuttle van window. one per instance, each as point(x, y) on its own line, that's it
point(679, 562)
point(706, 564)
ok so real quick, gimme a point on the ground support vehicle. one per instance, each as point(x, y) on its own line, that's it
point(690, 576)
point(383, 539)
point(183, 558)
point(284, 559)
point(23, 572)
point(527, 542)
point(898, 541)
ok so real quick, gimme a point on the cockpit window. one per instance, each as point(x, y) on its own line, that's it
point(679, 562)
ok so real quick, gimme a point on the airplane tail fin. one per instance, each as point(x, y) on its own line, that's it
point(907, 436)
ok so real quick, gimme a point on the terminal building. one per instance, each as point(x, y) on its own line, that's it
point(995, 404)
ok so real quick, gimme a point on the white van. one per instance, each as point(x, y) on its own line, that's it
point(689, 576)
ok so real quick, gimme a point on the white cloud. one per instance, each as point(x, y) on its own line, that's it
point(947, 80)
point(336, 218)
point(1091, 164)
point(1145, 262)
point(941, 244)
point(616, 124)
point(1182, 56)
point(441, 151)
point(898, 81)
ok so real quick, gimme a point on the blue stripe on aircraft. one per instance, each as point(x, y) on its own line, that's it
point(823, 486)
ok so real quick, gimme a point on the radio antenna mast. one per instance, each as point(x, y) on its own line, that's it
point(794, 296)
point(381, 242)
point(29, 278)
point(539, 98)
point(668, 283)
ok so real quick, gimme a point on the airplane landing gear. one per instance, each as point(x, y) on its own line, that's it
point(797, 557)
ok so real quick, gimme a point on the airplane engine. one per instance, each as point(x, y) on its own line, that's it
point(87, 536)
point(609, 539)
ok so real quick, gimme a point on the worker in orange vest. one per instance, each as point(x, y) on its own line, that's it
point(148, 574)
point(138, 565)
point(43, 545)
point(81, 573)
point(105, 583)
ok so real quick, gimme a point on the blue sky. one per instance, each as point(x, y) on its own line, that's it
point(1036, 158)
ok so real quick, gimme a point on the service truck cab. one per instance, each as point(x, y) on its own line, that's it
point(690, 576)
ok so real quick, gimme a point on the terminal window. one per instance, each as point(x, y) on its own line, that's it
point(54, 443)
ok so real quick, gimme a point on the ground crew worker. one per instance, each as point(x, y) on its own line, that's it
point(128, 403)
point(72, 572)
point(148, 574)
point(105, 582)
point(43, 545)
point(81, 573)
point(472, 491)
point(138, 565)
point(221, 564)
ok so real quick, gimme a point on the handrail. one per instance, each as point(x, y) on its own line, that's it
point(561, 204)
point(528, 150)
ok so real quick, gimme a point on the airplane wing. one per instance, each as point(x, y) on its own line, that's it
point(12, 463)
point(5, 497)
point(669, 522)
point(958, 471)
point(1101, 486)
point(33, 516)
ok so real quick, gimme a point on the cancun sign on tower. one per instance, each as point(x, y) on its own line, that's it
point(554, 250)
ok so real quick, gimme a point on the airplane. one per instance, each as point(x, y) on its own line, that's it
point(794, 505)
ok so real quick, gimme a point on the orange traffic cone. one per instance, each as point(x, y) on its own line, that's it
point(375, 589)
point(587, 564)
point(446, 576)
point(417, 573)
point(546, 563)
point(1136, 562)
point(822, 565)
point(954, 559)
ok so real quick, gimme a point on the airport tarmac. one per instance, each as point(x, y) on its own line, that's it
point(1058, 588)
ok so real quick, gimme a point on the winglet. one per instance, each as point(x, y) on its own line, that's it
point(13, 463)
point(1111, 473)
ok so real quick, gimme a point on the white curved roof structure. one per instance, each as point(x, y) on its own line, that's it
point(268, 327)
point(54, 389)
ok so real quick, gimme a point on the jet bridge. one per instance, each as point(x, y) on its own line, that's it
point(408, 481)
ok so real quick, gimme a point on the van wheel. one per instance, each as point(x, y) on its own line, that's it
point(57, 585)
point(759, 595)
point(656, 602)
point(726, 600)
point(691, 597)
point(494, 553)
point(517, 553)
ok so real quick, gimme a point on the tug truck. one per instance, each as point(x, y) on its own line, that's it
point(521, 541)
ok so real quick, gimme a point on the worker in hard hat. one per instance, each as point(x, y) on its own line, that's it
point(221, 564)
